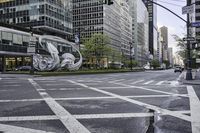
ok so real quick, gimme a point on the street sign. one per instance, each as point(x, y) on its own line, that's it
point(189, 39)
point(195, 24)
point(188, 9)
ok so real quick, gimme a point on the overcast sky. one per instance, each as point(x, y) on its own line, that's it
point(174, 24)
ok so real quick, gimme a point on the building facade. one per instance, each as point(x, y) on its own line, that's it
point(164, 35)
point(195, 31)
point(170, 57)
point(94, 16)
point(20, 18)
point(160, 48)
point(140, 30)
point(152, 11)
point(48, 16)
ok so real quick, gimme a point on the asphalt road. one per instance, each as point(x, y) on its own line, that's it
point(138, 102)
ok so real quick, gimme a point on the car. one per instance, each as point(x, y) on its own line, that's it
point(178, 69)
point(23, 68)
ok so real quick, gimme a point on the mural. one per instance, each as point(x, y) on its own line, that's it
point(53, 61)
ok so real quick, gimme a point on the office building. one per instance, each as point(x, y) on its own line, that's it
point(140, 31)
point(170, 56)
point(195, 32)
point(48, 16)
point(160, 48)
point(152, 11)
point(94, 16)
point(19, 17)
point(164, 35)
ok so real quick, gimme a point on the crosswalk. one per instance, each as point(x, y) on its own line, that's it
point(146, 82)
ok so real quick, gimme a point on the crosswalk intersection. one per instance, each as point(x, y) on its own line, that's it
point(91, 104)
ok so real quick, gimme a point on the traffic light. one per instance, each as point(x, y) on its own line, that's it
point(110, 2)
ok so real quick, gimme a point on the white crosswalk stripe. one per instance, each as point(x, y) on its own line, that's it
point(160, 83)
point(148, 82)
point(137, 81)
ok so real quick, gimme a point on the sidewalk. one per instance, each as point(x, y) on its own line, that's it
point(195, 81)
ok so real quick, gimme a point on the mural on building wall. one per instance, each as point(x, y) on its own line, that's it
point(53, 61)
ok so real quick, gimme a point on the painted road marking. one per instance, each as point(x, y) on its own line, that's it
point(53, 84)
point(14, 129)
point(11, 85)
point(149, 82)
point(145, 105)
point(84, 116)
point(64, 89)
point(195, 109)
point(65, 117)
point(160, 83)
point(137, 81)
point(174, 83)
point(22, 100)
point(119, 80)
point(93, 98)
point(143, 88)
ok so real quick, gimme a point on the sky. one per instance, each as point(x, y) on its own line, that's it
point(174, 24)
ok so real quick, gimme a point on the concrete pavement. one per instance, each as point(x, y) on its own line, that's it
point(108, 103)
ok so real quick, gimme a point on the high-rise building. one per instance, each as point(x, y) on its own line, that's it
point(52, 17)
point(170, 56)
point(152, 10)
point(164, 35)
point(195, 31)
point(94, 16)
point(160, 48)
point(140, 29)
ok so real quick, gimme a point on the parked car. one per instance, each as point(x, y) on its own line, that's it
point(178, 69)
point(23, 68)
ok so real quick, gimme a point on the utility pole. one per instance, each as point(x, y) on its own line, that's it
point(188, 73)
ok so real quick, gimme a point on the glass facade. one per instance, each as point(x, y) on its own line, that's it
point(93, 16)
point(140, 30)
point(48, 16)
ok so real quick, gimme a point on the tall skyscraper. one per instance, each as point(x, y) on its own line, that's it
point(48, 16)
point(170, 56)
point(164, 35)
point(140, 29)
point(94, 16)
point(153, 31)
